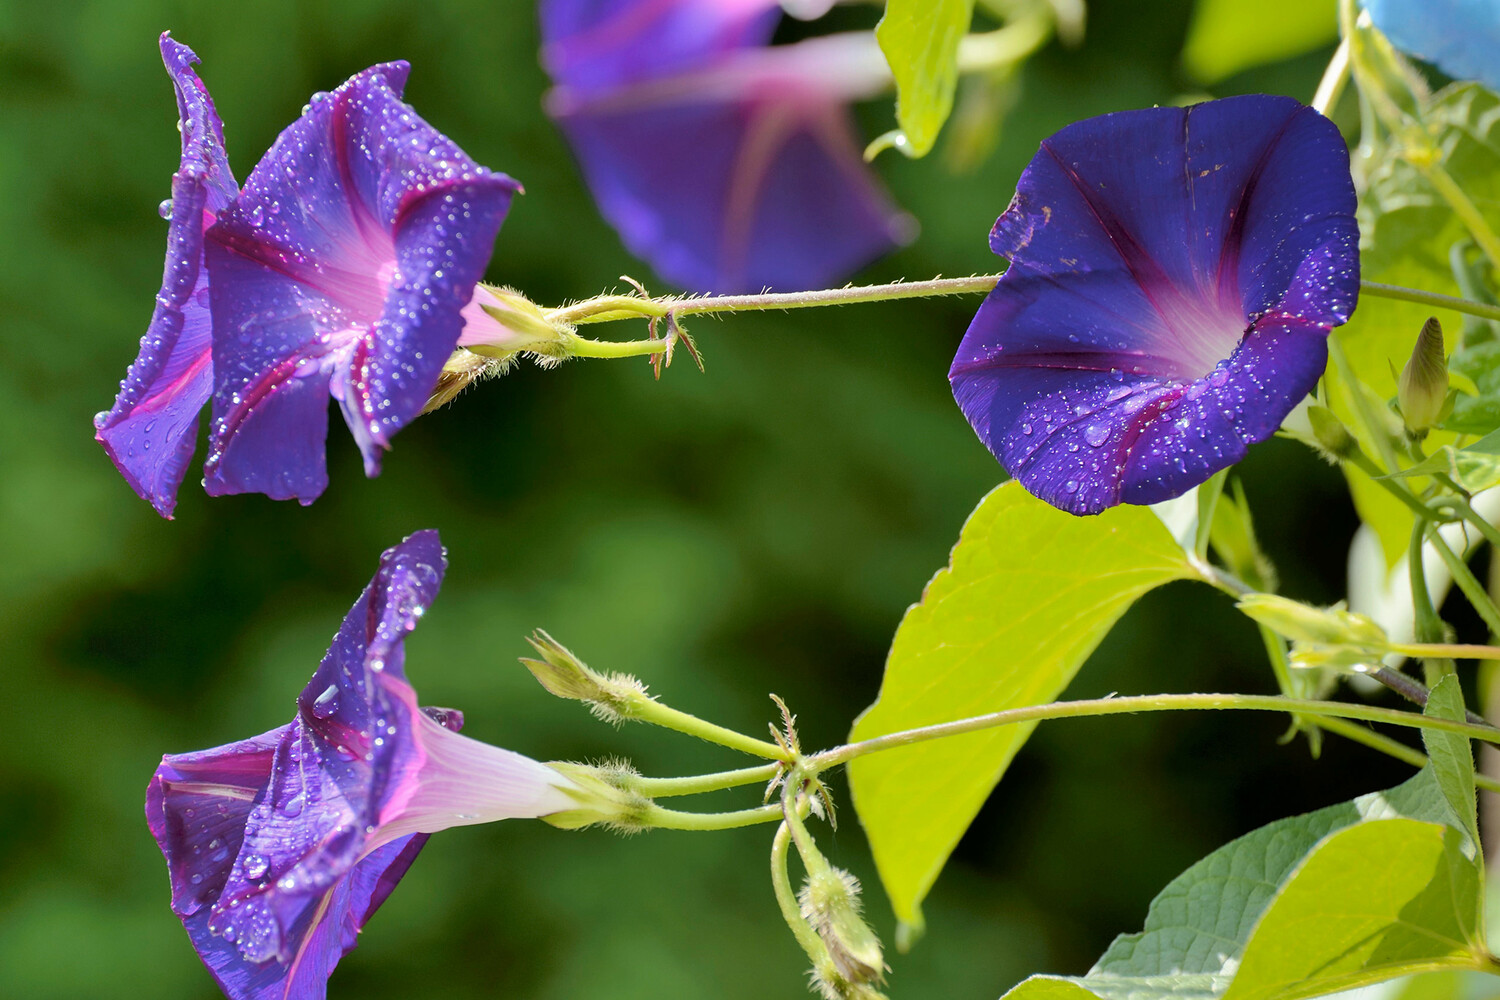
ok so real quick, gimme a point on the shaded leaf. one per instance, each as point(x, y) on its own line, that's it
point(1375, 901)
point(1220, 927)
point(1029, 593)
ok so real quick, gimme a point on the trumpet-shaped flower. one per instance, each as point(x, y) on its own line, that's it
point(282, 846)
point(152, 429)
point(729, 164)
point(1461, 37)
point(1174, 275)
point(345, 266)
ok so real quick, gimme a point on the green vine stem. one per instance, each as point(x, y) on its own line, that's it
point(672, 819)
point(697, 784)
point(651, 711)
point(1145, 703)
point(611, 307)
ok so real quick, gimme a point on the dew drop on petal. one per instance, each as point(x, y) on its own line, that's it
point(326, 703)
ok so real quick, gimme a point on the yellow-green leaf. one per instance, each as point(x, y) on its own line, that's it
point(1227, 36)
point(1304, 906)
point(1030, 591)
point(920, 40)
point(1377, 900)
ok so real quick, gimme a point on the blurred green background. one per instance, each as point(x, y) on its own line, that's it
point(757, 528)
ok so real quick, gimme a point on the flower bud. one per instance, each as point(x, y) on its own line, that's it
point(600, 800)
point(1300, 622)
point(565, 675)
point(1331, 436)
point(1422, 389)
point(830, 904)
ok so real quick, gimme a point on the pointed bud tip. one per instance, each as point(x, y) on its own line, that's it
point(1422, 389)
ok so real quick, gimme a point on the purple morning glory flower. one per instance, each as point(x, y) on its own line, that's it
point(344, 267)
point(152, 429)
point(1460, 37)
point(1174, 275)
point(730, 165)
point(282, 846)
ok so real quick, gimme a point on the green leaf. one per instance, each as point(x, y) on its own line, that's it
point(1475, 467)
point(1452, 757)
point(1227, 36)
point(1029, 593)
point(1407, 232)
point(920, 41)
point(1294, 908)
point(1376, 901)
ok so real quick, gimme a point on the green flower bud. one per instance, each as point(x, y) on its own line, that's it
point(1331, 436)
point(1422, 389)
point(565, 675)
point(830, 904)
point(601, 800)
point(1300, 622)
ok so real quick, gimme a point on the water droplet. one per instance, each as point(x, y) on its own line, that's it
point(326, 703)
point(165, 209)
point(294, 805)
point(1096, 434)
point(255, 866)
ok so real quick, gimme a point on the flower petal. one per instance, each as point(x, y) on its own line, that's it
point(729, 165)
point(151, 430)
point(1174, 273)
point(595, 44)
point(770, 197)
point(344, 265)
point(196, 806)
point(1460, 37)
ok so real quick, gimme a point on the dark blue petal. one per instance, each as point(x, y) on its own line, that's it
point(1174, 273)
point(151, 430)
point(1460, 37)
point(343, 267)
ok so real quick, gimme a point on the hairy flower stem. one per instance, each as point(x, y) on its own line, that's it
point(608, 308)
point(1146, 703)
point(664, 788)
point(654, 712)
point(655, 817)
point(786, 901)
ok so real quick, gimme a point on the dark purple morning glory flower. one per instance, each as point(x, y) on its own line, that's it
point(152, 429)
point(346, 266)
point(729, 164)
point(282, 846)
point(1174, 275)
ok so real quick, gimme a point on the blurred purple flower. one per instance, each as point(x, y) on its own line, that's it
point(282, 846)
point(152, 429)
point(1174, 275)
point(344, 266)
point(1461, 37)
point(728, 164)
